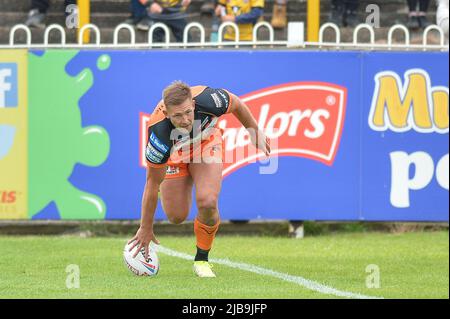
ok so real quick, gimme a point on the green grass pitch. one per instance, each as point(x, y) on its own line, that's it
point(411, 265)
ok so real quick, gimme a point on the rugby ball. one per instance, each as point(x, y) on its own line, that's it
point(139, 265)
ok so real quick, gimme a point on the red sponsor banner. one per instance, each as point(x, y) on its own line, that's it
point(303, 119)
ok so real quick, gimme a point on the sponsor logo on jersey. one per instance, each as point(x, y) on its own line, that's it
point(225, 98)
point(158, 144)
point(152, 151)
point(222, 94)
point(153, 158)
point(217, 100)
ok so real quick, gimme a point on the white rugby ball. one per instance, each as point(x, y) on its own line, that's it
point(139, 265)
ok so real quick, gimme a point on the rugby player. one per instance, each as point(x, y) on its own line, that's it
point(185, 148)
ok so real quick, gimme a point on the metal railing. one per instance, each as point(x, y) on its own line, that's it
point(271, 42)
point(81, 34)
point(398, 27)
point(188, 28)
point(124, 26)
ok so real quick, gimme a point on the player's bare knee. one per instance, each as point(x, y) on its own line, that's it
point(176, 219)
point(207, 203)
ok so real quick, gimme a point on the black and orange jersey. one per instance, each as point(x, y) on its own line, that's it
point(163, 137)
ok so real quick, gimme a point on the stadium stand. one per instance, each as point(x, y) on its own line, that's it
point(108, 14)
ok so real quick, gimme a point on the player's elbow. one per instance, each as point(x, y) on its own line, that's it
point(155, 176)
point(237, 105)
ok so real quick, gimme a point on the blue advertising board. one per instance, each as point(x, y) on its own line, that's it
point(362, 135)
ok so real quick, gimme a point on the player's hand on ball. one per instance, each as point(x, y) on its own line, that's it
point(142, 239)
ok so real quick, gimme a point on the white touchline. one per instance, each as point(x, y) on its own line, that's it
point(308, 284)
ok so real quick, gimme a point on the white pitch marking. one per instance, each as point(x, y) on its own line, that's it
point(308, 284)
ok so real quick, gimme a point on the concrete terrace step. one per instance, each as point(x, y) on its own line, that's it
point(9, 19)
point(58, 5)
point(124, 5)
point(108, 14)
point(100, 19)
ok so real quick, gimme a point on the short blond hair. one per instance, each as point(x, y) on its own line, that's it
point(176, 93)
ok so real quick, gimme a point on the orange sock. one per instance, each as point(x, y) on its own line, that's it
point(205, 234)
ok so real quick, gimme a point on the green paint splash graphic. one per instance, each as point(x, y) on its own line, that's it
point(57, 140)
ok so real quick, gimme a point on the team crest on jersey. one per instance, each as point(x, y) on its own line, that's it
point(172, 170)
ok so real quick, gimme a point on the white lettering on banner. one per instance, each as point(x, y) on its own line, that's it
point(288, 123)
point(423, 164)
point(442, 172)
point(401, 105)
point(319, 127)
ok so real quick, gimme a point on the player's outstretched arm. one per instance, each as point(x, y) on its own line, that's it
point(243, 114)
point(144, 235)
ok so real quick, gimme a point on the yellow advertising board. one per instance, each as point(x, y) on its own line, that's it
point(13, 134)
